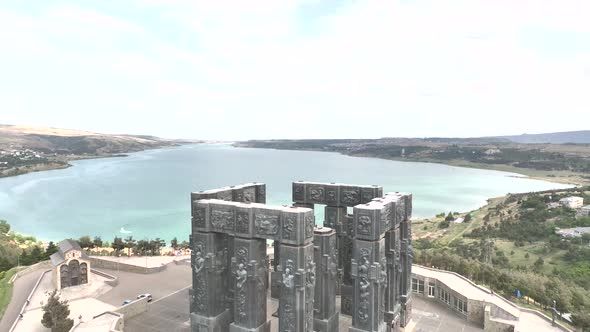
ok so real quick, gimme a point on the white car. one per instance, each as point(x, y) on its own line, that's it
point(149, 297)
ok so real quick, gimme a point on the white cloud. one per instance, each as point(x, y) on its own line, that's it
point(238, 70)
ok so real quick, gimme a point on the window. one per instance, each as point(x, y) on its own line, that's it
point(414, 285)
point(421, 286)
point(465, 307)
point(430, 289)
point(444, 296)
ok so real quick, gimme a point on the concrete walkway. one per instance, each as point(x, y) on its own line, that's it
point(21, 290)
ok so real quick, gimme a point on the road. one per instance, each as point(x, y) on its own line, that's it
point(21, 290)
point(173, 278)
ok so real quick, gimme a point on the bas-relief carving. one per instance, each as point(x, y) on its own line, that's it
point(298, 192)
point(364, 286)
point(309, 225)
point(199, 286)
point(242, 222)
point(287, 303)
point(317, 194)
point(364, 225)
point(310, 285)
point(200, 217)
point(249, 196)
point(222, 219)
point(350, 196)
point(266, 225)
point(331, 196)
point(241, 276)
point(289, 227)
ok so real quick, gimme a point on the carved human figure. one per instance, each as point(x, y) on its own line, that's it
point(241, 276)
point(199, 262)
point(288, 276)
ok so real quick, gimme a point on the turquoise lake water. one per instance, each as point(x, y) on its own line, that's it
point(147, 194)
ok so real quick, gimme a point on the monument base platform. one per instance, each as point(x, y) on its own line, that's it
point(262, 328)
point(219, 323)
point(327, 325)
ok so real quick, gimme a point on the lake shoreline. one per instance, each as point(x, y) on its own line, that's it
point(561, 177)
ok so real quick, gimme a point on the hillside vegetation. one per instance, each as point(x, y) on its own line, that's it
point(511, 244)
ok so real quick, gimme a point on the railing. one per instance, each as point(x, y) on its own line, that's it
point(22, 310)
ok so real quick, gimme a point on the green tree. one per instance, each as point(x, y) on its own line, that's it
point(450, 217)
point(55, 314)
point(467, 217)
point(582, 320)
point(538, 264)
point(118, 244)
point(97, 242)
point(86, 242)
point(50, 250)
point(174, 243)
point(184, 245)
point(4, 227)
point(129, 243)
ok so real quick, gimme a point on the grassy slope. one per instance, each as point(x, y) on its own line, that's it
point(443, 237)
point(6, 290)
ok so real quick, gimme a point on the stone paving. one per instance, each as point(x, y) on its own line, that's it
point(144, 261)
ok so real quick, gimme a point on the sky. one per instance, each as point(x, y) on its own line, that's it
point(260, 69)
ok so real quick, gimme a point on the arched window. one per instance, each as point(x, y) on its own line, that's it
point(74, 268)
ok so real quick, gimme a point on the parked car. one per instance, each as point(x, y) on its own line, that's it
point(126, 302)
point(149, 297)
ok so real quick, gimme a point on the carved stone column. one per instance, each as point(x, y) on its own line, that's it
point(207, 301)
point(345, 253)
point(404, 214)
point(325, 314)
point(392, 305)
point(369, 272)
point(334, 217)
point(297, 289)
point(250, 270)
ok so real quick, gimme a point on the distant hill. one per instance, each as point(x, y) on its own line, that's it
point(77, 142)
point(579, 137)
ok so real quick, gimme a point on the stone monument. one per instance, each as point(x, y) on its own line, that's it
point(365, 257)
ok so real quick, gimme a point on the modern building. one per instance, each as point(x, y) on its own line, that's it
point(572, 202)
point(71, 265)
point(477, 304)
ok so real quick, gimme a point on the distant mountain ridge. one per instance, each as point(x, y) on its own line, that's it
point(578, 137)
point(77, 142)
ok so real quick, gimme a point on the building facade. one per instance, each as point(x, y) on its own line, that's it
point(572, 202)
point(71, 265)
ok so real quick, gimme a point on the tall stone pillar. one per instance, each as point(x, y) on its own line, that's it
point(325, 314)
point(298, 283)
point(392, 306)
point(345, 258)
point(369, 265)
point(250, 291)
point(404, 214)
point(334, 218)
point(207, 297)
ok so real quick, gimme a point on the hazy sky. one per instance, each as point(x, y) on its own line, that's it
point(296, 68)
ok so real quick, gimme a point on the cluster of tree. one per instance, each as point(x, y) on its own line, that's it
point(145, 247)
point(16, 249)
point(544, 289)
point(55, 314)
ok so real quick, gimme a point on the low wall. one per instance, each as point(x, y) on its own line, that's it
point(114, 265)
point(112, 280)
point(22, 310)
point(133, 309)
point(44, 265)
point(496, 325)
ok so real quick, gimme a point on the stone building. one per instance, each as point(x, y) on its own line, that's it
point(572, 202)
point(71, 265)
